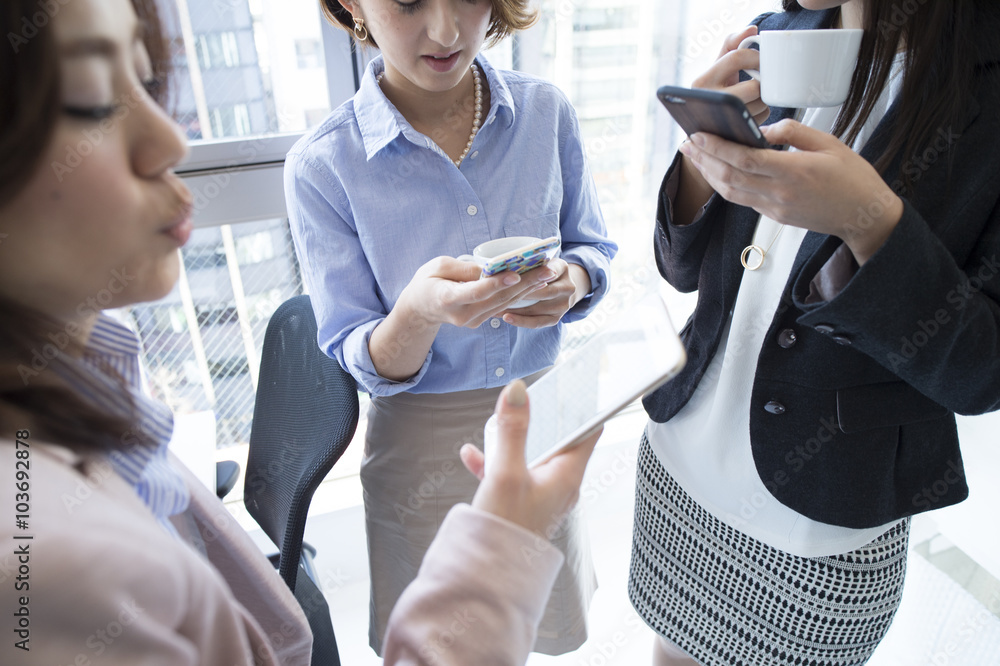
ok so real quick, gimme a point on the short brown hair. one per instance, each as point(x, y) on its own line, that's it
point(509, 16)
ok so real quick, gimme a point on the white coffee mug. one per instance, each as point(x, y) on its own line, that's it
point(805, 68)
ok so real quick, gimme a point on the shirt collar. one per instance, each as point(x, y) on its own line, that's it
point(380, 123)
point(110, 337)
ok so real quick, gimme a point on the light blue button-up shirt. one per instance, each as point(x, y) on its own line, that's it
point(370, 200)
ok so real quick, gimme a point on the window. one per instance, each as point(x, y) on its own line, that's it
point(265, 54)
point(255, 248)
point(604, 56)
point(231, 120)
point(308, 53)
point(605, 18)
point(218, 50)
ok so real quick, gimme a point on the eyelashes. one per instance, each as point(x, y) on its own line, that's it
point(152, 87)
point(412, 7)
point(94, 113)
point(409, 7)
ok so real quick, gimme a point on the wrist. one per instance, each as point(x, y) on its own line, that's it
point(581, 282)
point(869, 232)
point(412, 310)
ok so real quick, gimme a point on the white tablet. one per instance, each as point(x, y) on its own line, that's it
point(637, 353)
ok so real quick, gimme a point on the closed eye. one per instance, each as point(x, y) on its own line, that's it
point(409, 7)
point(95, 113)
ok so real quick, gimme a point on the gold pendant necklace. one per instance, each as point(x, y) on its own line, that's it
point(752, 249)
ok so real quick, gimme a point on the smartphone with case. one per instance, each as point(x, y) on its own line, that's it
point(523, 258)
point(634, 355)
point(714, 112)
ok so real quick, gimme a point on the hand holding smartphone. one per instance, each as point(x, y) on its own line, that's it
point(714, 112)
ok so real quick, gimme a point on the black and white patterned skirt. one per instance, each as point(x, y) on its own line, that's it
point(728, 599)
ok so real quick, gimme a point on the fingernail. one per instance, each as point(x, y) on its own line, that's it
point(546, 274)
point(698, 139)
point(686, 148)
point(516, 394)
point(512, 279)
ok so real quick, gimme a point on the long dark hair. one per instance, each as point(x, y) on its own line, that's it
point(940, 63)
point(29, 82)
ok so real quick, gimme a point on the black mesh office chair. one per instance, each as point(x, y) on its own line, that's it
point(304, 417)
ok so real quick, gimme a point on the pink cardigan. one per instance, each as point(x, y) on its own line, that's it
point(106, 585)
point(479, 595)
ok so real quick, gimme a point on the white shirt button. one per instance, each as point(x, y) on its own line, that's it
point(499, 372)
point(492, 120)
point(495, 323)
point(473, 155)
point(471, 210)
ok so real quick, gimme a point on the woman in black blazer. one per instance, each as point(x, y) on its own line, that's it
point(842, 414)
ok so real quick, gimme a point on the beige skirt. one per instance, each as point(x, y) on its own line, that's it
point(412, 476)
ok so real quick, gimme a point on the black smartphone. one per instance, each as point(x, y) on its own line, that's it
point(719, 113)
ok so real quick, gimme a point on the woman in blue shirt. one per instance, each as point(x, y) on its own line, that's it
point(436, 154)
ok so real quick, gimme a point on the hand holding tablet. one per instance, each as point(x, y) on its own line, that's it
point(635, 355)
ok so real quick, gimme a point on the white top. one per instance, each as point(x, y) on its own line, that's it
point(706, 446)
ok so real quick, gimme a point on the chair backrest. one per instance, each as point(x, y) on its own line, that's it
point(310, 597)
point(304, 417)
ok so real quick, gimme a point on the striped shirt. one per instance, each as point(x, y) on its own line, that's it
point(111, 356)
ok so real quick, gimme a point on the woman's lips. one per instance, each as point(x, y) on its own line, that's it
point(181, 229)
point(441, 64)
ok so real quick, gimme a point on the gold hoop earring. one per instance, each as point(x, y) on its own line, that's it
point(360, 31)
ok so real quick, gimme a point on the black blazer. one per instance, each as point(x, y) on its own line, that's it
point(852, 413)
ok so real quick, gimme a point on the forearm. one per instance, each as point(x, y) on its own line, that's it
point(693, 192)
point(940, 338)
point(399, 345)
point(680, 250)
point(479, 595)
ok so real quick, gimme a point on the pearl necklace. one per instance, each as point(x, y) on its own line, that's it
point(477, 116)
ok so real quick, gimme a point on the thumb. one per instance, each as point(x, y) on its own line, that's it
point(460, 270)
point(473, 460)
point(793, 133)
point(513, 414)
